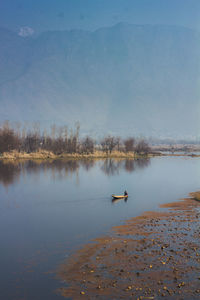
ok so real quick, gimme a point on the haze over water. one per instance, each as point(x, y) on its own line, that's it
point(94, 61)
point(47, 210)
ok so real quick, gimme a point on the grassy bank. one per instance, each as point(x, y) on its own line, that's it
point(48, 155)
point(45, 155)
point(180, 154)
point(195, 196)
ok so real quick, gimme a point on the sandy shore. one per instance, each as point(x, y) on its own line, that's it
point(153, 256)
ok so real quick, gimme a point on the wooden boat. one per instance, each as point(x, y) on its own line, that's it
point(119, 196)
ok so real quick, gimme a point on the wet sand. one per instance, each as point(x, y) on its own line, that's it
point(153, 256)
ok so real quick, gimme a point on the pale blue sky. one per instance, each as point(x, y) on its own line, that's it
point(92, 14)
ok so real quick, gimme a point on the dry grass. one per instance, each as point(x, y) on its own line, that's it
point(42, 154)
point(195, 196)
point(100, 154)
point(23, 155)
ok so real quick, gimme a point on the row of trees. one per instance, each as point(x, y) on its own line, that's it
point(61, 140)
point(110, 143)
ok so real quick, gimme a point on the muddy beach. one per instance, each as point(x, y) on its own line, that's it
point(153, 256)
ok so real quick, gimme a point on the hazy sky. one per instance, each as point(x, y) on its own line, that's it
point(91, 14)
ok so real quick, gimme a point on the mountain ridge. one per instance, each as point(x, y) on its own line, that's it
point(146, 74)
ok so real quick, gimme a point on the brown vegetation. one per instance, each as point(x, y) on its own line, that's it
point(142, 147)
point(129, 144)
point(26, 143)
point(195, 196)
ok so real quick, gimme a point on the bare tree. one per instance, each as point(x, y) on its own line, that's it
point(108, 143)
point(87, 145)
point(119, 145)
point(8, 139)
point(31, 142)
point(142, 147)
point(129, 144)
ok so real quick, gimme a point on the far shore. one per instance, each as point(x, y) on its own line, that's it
point(47, 155)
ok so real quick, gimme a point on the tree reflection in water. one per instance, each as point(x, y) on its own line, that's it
point(117, 200)
point(9, 173)
point(142, 163)
point(113, 167)
point(87, 164)
point(60, 169)
point(129, 165)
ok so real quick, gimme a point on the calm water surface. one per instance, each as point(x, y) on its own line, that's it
point(48, 210)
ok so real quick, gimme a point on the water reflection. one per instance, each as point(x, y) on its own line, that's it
point(87, 164)
point(142, 163)
point(117, 200)
point(112, 167)
point(11, 171)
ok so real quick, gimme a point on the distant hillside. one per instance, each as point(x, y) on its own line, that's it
point(126, 79)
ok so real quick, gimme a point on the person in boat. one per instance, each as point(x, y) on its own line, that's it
point(125, 193)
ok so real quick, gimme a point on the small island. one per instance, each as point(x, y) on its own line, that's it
point(61, 143)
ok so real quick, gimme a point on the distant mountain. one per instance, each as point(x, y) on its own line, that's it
point(125, 79)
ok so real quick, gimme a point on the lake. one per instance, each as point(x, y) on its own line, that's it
point(50, 209)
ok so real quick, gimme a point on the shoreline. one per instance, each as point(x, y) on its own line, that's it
point(45, 155)
point(152, 256)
